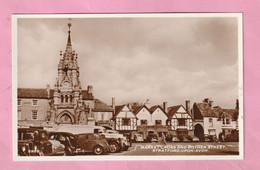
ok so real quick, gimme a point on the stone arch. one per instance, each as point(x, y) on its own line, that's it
point(199, 131)
point(65, 117)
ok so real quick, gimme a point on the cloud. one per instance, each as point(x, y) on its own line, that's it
point(133, 59)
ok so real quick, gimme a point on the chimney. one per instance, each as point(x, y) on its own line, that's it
point(165, 106)
point(113, 102)
point(237, 104)
point(211, 103)
point(90, 89)
point(206, 100)
point(188, 106)
point(48, 90)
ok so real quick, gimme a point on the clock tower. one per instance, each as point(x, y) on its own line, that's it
point(68, 106)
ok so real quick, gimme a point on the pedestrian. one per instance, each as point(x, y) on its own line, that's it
point(163, 139)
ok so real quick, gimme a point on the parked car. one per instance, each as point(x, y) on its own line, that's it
point(81, 143)
point(116, 141)
point(194, 139)
point(90, 142)
point(34, 142)
point(138, 137)
point(207, 138)
point(67, 139)
point(152, 137)
point(175, 139)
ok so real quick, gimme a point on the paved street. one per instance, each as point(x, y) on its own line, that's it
point(206, 148)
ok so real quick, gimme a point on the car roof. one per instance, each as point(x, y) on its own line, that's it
point(31, 130)
point(66, 133)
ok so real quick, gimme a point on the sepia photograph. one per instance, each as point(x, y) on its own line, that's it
point(128, 86)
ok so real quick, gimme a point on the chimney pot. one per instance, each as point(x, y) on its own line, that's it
point(113, 102)
point(90, 89)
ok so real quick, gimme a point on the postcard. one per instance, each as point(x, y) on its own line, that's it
point(127, 86)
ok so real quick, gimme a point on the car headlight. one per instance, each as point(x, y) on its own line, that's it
point(23, 148)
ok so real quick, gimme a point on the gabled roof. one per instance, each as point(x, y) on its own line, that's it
point(172, 110)
point(33, 93)
point(118, 110)
point(153, 108)
point(206, 110)
point(101, 106)
point(137, 109)
point(233, 113)
point(41, 93)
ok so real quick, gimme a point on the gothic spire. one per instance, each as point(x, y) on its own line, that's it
point(69, 47)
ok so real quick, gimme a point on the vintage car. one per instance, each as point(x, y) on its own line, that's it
point(81, 143)
point(90, 142)
point(152, 137)
point(116, 141)
point(175, 139)
point(67, 139)
point(138, 137)
point(207, 138)
point(34, 142)
point(194, 139)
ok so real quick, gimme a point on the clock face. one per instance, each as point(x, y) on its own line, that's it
point(66, 84)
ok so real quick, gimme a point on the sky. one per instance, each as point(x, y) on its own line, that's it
point(163, 59)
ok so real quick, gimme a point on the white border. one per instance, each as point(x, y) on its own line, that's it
point(123, 157)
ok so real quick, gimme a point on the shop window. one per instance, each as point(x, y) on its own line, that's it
point(143, 122)
point(158, 122)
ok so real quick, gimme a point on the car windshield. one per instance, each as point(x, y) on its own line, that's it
point(28, 135)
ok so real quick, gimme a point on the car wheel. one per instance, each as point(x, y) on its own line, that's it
point(113, 147)
point(98, 150)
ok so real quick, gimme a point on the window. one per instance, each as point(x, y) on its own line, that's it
point(34, 115)
point(35, 102)
point(143, 122)
point(19, 115)
point(181, 122)
point(102, 116)
point(126, 122)
point(158, 122)
point(210, 122)
point(223, 121)
point(227, 121)
point(19, 102)
point(61, 98)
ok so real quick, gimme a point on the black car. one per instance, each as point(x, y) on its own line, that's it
point(67, 139)
point(33, 142)
point(81, 143)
